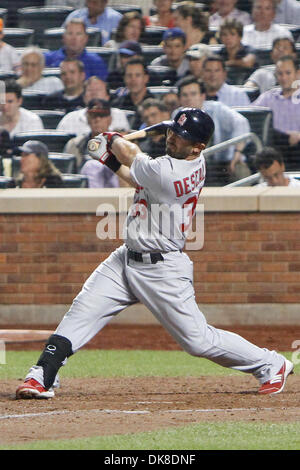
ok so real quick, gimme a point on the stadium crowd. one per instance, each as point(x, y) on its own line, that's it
point(113, 67)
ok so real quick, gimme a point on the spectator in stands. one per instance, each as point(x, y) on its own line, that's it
point(31, 78)
point(99, 120)
point(170, 100)
point(174, 46)
point(284, 101)
point(9, 57)
point(37, 171)
point(194, 22)
point(264, 78)
point(263, 30)
point(75, 39)
point(130, 28)
point(214, 77)
point(154, 111)
point(163, 15)
point(270, 163)
point(229, 164)
point(196, 55)
point(287, 12)
point(226, 9)
point(136, 78)
point(127, 50)
point(97, 14)
point(234, 52)
point(71, 97)
point(13, 117)
point(76, 121)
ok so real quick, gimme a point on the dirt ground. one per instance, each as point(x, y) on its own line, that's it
point(96, 406)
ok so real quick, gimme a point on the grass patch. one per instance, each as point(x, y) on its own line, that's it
point(203, 436)
point(114, 363)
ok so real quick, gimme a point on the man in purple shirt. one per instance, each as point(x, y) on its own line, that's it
point(75, 39)
point(97, 14)
point(284, 101)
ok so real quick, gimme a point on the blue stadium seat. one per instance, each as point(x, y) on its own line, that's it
point(12, 7)
point(6, 74)
point(64, 162)
point(50, 118)
point(55, 140)
point(238, 75)
point(158, 91)
point(161, 75)
point(41, 18)
point(75, 181)
point(252, 92)
point(260, 119)
point(33, 100)
point(151, 52)
point(152, 35)
point(51, 72)
point(18, 37)
point(123, 8)
point(7, 182)
point(263, 55)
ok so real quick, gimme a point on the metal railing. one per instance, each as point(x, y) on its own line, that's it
point(250, 136)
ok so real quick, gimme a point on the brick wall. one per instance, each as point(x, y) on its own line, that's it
point(247, 257)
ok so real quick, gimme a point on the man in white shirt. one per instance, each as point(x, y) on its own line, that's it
point(13, 117)
point(9, 56)
point(226, 9)
point(76, 121)
point(214, 76)
point(264, 30)
point(264, 77)
point(269, 162)
point(31, 78)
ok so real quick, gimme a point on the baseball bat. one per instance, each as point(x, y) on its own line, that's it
point(156, 129)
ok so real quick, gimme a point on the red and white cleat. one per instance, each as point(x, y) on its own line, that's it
point(33, 389)
point(277, 383)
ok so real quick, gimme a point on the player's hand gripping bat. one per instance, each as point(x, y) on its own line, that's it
point(99, 147)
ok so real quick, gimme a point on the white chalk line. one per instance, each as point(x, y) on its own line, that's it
point(107, 411)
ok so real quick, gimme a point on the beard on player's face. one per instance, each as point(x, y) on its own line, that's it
point(179, 155)
point(177, 147)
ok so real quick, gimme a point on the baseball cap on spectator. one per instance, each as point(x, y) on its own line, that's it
point(172, 33)
point(35, 146)
point(130, 48)
point(99, 107)
point(197, 51)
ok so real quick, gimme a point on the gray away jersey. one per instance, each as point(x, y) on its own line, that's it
point(164, 202)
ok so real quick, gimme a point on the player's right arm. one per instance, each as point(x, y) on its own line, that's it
point(118, 154)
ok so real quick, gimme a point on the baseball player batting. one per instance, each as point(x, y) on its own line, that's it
point(150, 267)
